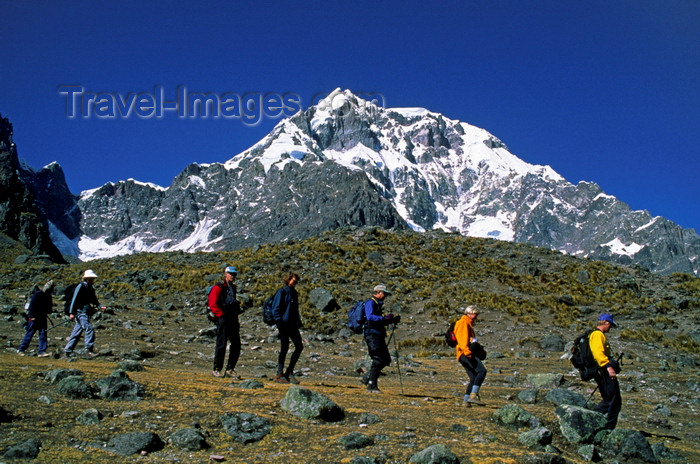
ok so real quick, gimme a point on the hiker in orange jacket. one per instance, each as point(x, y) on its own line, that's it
point(464, 331)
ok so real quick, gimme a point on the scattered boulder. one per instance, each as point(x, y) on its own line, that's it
point(552, 342)
point(627, 446)
point(322, 300)
point(577, 424)
point(135, 442)
point(663, 453)
point(307, 404)
point(25, 450)
point(560, 396)
point(529, 396)
point(118, 386)
point(435, 454)
point(251, 383)
point(189, 439)
point(130, 365)
point(512, 415)
point(356, 440)
point(589, 452)
point(74, 386)
point(244, 427)
point(56, 375)
point(545, 380)
point(89, 417)
point(369, 418)
point(539, 436)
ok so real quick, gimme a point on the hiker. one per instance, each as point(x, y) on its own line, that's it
point(285, 309)
point(40, 306)
point(608, 368)
point(82, 306)
point(226, 308)
point(464, 331)
point(375, 334)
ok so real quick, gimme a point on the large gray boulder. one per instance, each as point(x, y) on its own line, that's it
point(307, 404)
point(579, 425)
point(435, 454)
point(512, 415)
point(119, 387)
point(244, 427)
point(627, 446)
point(26, 450)
point(189, 439)
point(136, 442)
point(560, 396)
point(74, 386)
point(322, 300)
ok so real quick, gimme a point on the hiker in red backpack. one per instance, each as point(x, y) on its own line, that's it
point(225, 307)
point(467, 356)
point(606, 375)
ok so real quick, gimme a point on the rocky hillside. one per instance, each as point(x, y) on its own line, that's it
point(20, 218)
point(165, 404)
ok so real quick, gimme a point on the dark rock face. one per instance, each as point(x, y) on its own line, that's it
point(20, 218)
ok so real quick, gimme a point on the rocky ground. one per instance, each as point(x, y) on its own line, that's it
point(163, 346)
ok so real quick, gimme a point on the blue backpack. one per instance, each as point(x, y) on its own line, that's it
point(356, 317)
point(268, 317)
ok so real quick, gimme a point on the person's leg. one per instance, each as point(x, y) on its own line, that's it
point(295, 336)
point(31, 329)
point(612, 401)
point(234, 338)
point(284, 348)
point(74, 337)
point(220, 345)
point(471, 373)
point(480, 375)
point(89, 332)
point(378, 351)
point(43, 339)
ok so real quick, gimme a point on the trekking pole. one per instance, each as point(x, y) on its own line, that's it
point(589, 398)
point(396, 349)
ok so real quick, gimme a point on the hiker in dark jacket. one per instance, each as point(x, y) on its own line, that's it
point(225, 307)
point(40, 306)
point(375, 336)
point(83, 305)
point(285, 309)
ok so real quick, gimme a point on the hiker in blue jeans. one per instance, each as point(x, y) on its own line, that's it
point(83, 305)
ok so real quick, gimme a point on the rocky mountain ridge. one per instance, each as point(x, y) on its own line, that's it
point(347, 162)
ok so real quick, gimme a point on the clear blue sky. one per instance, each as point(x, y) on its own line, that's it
point(601, 91)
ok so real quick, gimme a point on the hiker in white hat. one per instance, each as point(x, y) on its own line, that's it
point(81, 304)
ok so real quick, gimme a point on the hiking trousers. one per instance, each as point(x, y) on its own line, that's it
point(286, 334)
point(32, 328)
point(475, 370)
point(379, 352)
point(612, 400)
point(228, 330)
point(82, 324)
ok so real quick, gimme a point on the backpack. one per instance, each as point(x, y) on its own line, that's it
point(450, 337)
point(581, 357)
point(210, 315)
point(68, 296)
point(267, 315)
point(356, 317)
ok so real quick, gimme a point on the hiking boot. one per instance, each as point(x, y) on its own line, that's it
point(474, 399)
point(281, 379)
point(20, 353)
point(292, 379)
point(217, 373)
point(365, 379)
point(372, 387)
point(44, 355)
point(232, 373)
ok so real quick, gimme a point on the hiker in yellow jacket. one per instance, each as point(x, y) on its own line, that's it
point(464, 332)
point(608, 368)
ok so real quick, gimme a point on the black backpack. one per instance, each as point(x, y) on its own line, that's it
point(581, 356)
point(356, 317)
point(267, 315)
point(450, 337)
point(68, 297)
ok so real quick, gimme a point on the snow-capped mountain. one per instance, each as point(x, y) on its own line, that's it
point(346, 161)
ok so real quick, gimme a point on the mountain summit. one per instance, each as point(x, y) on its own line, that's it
point(347, 161)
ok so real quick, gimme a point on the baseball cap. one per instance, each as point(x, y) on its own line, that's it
point(231, 270)
point(381, 288)
point(607, 317)
point(89, 274)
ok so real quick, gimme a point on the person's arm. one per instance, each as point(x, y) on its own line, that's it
point(369, 312)
point(597, 343)
point(277, 303)
point(462, 334)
